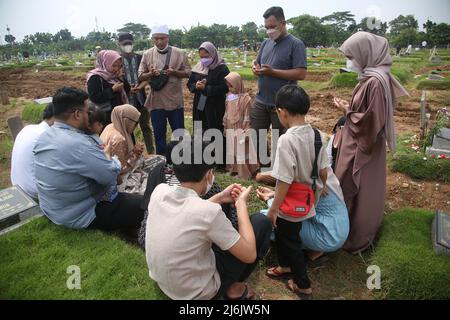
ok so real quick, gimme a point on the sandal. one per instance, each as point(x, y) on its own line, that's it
point(292, 286)
point(275, 274)
point(318, 262)
point(248, 294)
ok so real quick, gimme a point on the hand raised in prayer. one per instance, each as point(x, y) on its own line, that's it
point(230, 194)
point(255, 68)
point(342, 104)
point(135, 89)
point(324, 192)
point(200, 85)
point(154, 72)
point(244, 196)
point(139, 149)
point(264, 70)
point(265, 194)
point(118, 87)
point(170, 72)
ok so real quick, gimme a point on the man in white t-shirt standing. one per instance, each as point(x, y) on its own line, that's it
point(193, 251)
point(22, 160)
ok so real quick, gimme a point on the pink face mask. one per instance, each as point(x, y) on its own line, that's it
point(273, 34)
point(206, 62)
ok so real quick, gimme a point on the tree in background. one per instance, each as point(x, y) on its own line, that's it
point(404, 30)
point(311, 30)
point(341, 24)
point(138, 30)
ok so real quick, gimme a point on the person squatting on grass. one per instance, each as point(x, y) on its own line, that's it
point(22, 157)
point(193, 252)
point(295, 159)
point(73, 173)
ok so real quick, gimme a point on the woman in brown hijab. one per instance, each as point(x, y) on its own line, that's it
point(361, 160)
point(117, 136)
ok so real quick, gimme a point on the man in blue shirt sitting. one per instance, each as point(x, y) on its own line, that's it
point(73, 173)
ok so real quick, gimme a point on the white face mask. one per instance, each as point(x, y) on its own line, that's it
point(128, 48)
point(273, 34)
point(210, 185)
point(353, 66)
point(232, 97)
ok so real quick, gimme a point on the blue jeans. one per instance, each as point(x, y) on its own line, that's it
point(159, 123)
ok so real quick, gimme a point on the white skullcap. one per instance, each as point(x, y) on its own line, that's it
point(160, 30)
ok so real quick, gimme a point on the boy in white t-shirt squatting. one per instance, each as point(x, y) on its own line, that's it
point(193, 252)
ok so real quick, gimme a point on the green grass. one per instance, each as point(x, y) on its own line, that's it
point(410, 269)
point(6, 146)
point(434, 84)
point(344, 80)
point(32, 112)
point(408, 161)
point(35, 259)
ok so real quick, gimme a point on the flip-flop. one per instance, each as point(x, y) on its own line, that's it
point(246, 295)
point(273, 273)
point(301, 295)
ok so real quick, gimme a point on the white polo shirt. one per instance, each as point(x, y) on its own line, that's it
point(181, 229)
point(22, 161)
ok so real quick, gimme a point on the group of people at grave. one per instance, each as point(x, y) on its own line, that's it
point(86, 168)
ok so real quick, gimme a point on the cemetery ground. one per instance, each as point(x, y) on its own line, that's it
point(35, 258)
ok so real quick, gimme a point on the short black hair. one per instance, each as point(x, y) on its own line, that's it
point(126, 37)
point(68, 99)
point(294, 99)
point(48, 112)
point(340, 123)
point(96, 114)
point(190, 172)
point(277, 12)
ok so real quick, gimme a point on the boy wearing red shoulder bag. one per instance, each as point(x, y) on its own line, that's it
point(300, 160)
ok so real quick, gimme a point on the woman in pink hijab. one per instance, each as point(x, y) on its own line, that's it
point(361, 160)
point(106, 85)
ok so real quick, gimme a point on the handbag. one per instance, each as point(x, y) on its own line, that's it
point(159, 82)
point(301, 197)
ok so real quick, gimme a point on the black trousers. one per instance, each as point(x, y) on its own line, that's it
point(290, 254)
point(124, 213)
point(233, 270)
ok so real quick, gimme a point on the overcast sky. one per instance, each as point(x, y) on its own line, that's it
point(27, 17)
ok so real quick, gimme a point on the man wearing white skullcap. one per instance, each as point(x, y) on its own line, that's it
point(166, 98)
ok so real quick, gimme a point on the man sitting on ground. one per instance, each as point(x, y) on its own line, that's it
point(22, 160)
point(73, 173)
point(182, 228)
